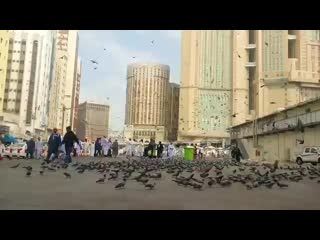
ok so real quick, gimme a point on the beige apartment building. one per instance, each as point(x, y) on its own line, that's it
point(93, 121)
point(272, 70)
point(25, 104)
point(147, 101)
point(4, 47)
point(231, 77)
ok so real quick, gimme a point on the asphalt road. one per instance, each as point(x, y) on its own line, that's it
point(54, 191)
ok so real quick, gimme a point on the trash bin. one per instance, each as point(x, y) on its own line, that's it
point(189, 153)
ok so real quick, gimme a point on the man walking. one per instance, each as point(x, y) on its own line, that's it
point(159, 150)
point(53, 145)
point(68, 140)
point(30, 148)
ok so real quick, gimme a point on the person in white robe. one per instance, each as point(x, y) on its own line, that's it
point(140, 149)
point(171, 152)
point(129, 148)
point(38, 148)
point(105, 146)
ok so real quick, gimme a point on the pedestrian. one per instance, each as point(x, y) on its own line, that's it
point(39, 148)
point(105, 146)
point(92, 149)
point(115, 148)
point(109, 146)
point(238, 154)
point(30, 148)
point(68, 141)
point(86, 147)
point(201, 152)
point(141, 149)
point(171, 152)
point(98, 148)
point(152, 148)
point(53, 145)
point(129, 148)
point(159, 150)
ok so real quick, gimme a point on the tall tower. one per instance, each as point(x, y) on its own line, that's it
point(146, 103)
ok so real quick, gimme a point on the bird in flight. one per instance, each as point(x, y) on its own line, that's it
point(267, 44)
point(94, 61)
point(104, 49)
point(152, 42)
point(95, 68)
point(133, 57)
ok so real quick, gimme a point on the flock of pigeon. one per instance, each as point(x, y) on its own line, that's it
point(95, 62)
point(194, 174)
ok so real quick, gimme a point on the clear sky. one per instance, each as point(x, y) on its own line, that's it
point(107, 83)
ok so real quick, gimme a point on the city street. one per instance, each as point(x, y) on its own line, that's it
point(54, 191)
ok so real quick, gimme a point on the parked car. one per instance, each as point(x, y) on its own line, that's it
point(309, 155)
point(16, 150)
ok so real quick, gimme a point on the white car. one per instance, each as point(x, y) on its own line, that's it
point(310, 155)
point(16, 150)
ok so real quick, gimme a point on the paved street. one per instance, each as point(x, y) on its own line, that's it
point(54, 191)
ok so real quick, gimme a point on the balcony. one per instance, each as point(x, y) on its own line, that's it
point(292, 37)
point(250, 46)
point(250, 64)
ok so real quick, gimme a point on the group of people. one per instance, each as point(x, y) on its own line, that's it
point(105, 147)
point(152, 150)
point(56, 142)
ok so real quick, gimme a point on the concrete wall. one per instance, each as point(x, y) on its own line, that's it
point(282, 146)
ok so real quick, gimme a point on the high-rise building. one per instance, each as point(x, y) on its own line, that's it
point(76, 95)
point(94, 121)
point(206, 85)
point(27, 82)
point(230, 77)
point(274, 69)
point(146, 103)
point(4, 46)
point(173, 112)
point(65, 76)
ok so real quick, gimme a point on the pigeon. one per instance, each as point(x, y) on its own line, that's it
point(133, 57)
point(101, 180)
point(81, 171)
point(15, 166)
point(95, 68)
point(120, 185)
point(41, 173)
point(95, 62)
point(152, 42)
point(239, 56)
point(67, 175)
point(282, 185)
point(204, 175)
point(267, 44)
point(197, 186)
point(28, 174)
point(144, 180)
point(212, 182)
point(150, 186)
point(51, 169)
point(270, 185)
point(29, 168)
